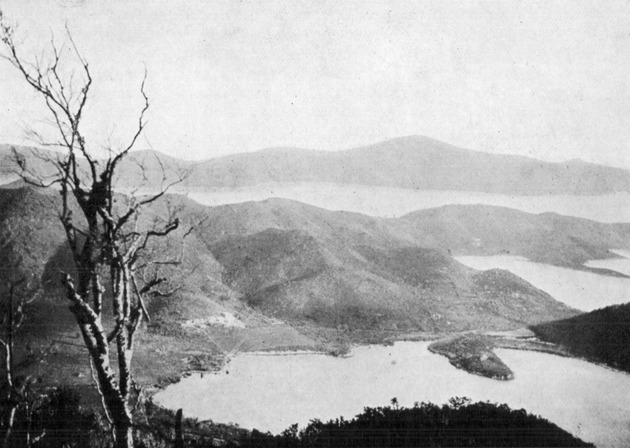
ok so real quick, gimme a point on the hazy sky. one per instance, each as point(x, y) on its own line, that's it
point(547, 79)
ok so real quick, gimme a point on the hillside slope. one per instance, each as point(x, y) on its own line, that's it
point(345, 269)
point(602, 335)
point(305, 265)
point(545, 238)
point(311, 266)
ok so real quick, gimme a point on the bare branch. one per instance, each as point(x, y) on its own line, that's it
point(113, 162)
point(140, 300)
point(107, 416)
point(102, 237)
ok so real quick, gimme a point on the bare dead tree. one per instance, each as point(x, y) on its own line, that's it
point(11, 321)
point(107, 239)
point(15, 294)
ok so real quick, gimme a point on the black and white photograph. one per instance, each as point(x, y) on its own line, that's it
point(314, 223)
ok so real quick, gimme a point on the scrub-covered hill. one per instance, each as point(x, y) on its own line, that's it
point(298, 264)
point(602, 335)
point(545, 238)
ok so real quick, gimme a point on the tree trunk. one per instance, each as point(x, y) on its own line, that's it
point(123, 427)
point(124, 436)
point(9, 344)
point(10, 421)
point(179, 434)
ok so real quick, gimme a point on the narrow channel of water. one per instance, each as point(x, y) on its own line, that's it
point(394, 202)
point(616, 264)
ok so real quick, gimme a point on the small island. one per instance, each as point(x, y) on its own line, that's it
point(473, 353)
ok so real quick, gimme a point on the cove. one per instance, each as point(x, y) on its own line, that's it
point(620, 264)
point(272, 391)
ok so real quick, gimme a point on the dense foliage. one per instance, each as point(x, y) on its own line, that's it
point(602, 335)
point(55, 420)
point(460, 423)
point(58, 420)
point(474, 354)
point(61, 419)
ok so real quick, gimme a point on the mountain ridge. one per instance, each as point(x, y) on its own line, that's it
point(413, 162)
point(298, 276)
point(298, 262)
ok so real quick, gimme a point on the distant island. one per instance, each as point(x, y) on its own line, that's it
point(414, 162)
point(283, 275)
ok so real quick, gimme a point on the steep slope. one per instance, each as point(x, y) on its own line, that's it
point(348, 270)
point(459, 229)
point(28, 220)
point(186, 328)
point(302, 263)
point(39, 251)
point(602, 335)
point(291, 275)
point(338, 228)
point(306, 265)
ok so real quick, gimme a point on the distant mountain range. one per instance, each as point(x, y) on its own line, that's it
point(410, 162)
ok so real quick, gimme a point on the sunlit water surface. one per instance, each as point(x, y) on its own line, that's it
point(272, 391)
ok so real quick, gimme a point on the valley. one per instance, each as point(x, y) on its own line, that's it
point(277, 275)
point(314, 224)
point(318, 277)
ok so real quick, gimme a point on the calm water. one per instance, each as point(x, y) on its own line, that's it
point(393, 202)
point(616, 264)
point(582, 290)
point(271, 392)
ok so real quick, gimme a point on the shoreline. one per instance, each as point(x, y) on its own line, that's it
point(521, 339)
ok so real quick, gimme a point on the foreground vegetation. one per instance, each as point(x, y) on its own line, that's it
point(601, 336)
point(459, 423)
point(59, 420)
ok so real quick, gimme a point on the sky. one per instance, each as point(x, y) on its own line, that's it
point(546, 79)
